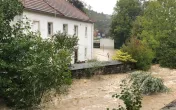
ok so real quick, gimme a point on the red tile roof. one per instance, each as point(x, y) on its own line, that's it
point(60, 8)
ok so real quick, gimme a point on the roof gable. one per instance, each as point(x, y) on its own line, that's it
point(58, 7)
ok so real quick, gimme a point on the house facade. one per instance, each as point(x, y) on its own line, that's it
point(51, 16)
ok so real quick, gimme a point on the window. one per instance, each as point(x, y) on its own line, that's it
point(76, 30)
point(65, 28)
point(50, 28)
point(86, 32)
point(36, 26)
point(85, 52)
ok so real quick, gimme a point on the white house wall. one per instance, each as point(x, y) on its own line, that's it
point(107, 43)
point(84, 42)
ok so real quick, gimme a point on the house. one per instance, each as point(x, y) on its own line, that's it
point(51, 16)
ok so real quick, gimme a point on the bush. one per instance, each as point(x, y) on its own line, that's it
point(30, 66)
point(148, 84)
point(123, 57)
point(167, 52)
point(131, 96)
point(139, 52)
point(95, 67)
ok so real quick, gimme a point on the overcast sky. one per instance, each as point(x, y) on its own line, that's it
point(105, 6)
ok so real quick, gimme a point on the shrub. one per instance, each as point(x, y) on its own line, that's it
point(140, 52)
point(95, 67)
point(131, 96)
point(167, 52)
point(123, 57)
point(30, 66)
point(92, 60)
point(148, 84)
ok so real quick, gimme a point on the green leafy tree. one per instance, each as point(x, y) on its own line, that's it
point(140, 52)
point(147, 83)
point(157, 22)
point(124, 15)
point(8, 10)
point(78, 4)
point(166, 52)
point(131, 95)
point(29, 65)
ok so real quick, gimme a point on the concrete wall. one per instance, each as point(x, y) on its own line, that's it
point(107, 43)
point(84, 42)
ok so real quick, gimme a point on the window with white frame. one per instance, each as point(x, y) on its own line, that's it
point(36, 26)
point(85, 52)
point(86, 32)
point(50, 28)
point(76, 30)
point(65, 28)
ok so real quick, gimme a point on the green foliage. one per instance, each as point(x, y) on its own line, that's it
point(157, 22)
point(140, 52)
point(8, 10)
point(95, 67)
point(92, 60)
point(29, 65)
point(124, 15)
point(131, 96)
point(123, 56)
point(148, 84)
point(167, 51)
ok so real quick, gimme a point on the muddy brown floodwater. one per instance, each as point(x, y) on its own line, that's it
point(96, 93)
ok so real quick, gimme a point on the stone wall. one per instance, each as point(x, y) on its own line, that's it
point(109, 69)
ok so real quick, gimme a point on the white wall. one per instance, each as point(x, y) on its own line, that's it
point(107, 43)
point(84, 42)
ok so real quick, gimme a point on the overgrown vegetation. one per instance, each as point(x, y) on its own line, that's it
point(29, 65)
point(139, 52)
point(156, 28)
point(131, 96)
point(167, 51)
point(134, 86)
point(152, 24)
point(95, 68)
point(148, 84)
point(125, 13)
point(123, 57)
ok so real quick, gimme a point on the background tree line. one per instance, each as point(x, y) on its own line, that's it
point(146, 30)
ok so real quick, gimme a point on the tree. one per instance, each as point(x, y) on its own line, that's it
point(29, 65)
point(78, 4)
point(124, 15)
point(157, 22)
point(131, 95)
point(166, 52)
point(140, 52)
point(8, 10)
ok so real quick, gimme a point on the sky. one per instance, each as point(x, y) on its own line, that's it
point(105, 6)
